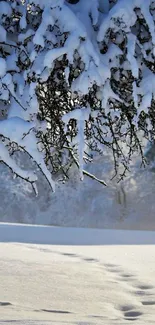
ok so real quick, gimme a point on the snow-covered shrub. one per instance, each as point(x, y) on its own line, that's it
point(76, 76)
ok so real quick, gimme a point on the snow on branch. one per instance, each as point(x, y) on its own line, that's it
point(80, 115)
point(85, 68)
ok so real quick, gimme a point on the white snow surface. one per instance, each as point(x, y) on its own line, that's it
point(52, 275)
point(2, 67)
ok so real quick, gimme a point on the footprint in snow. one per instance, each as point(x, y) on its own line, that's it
point(56, 311)
point(5, 303)
point(126, 308)
point(109, 265)
point(129, 312)
point(144, 290)
point(126, 276)
point(145, 287)
point(69, 254)
point(89, 259)
point(148, 303)
point(112, 268)
point(132, 315)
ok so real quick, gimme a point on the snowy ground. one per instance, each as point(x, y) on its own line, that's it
point(76, 276)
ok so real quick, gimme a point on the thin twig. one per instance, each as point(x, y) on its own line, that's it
point(84, 171)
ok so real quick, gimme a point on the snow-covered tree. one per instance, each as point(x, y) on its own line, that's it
point(76, 76)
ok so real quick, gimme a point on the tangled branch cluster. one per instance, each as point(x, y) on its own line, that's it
point(76, 76)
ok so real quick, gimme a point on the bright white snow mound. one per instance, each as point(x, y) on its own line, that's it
point(73, 236)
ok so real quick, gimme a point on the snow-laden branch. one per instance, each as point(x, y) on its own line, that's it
point(58, 55)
